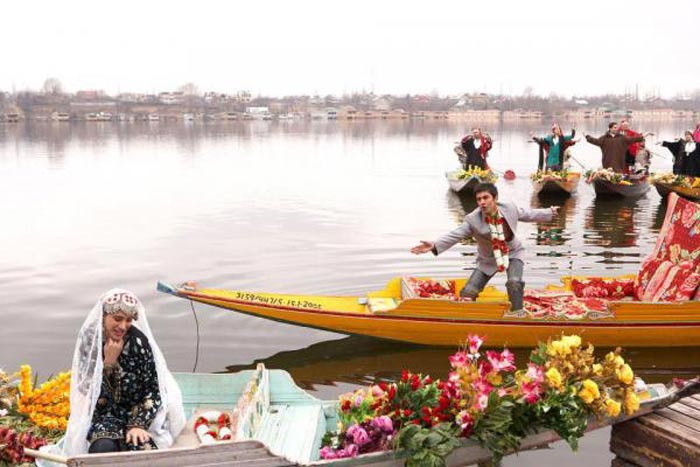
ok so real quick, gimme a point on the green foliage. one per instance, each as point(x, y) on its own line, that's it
point(563, 413)
point(495, 429)
point(427, 447)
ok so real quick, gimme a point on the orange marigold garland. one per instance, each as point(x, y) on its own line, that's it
point(47, 406)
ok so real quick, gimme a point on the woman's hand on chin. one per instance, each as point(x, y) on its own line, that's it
point(112, 350)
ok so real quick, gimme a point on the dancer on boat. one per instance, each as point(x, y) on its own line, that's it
point(553, 145)
point(122, 397)
point(614, 146)
point(686, 155)
point(474, 149)
point(493, 225)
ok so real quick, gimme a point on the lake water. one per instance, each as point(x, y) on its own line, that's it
point(310, 207)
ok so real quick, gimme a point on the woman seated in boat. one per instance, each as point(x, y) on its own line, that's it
point(686, 155)
point(123, 398)
point(554, 145)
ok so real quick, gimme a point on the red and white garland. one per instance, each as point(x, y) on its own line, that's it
point(208, 435)
point(498, 240)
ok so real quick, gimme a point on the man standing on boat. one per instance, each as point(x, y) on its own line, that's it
point(614, 147)
point(493, 225)
point(475, 147)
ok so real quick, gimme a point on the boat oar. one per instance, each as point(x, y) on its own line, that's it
point(46, 456)
point(507, 175)
point(576, 160)
point(36, 454)
point(656, 154)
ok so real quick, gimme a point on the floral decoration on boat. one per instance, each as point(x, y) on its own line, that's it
point(485, 175)
point(672, 179)
point(609, 175)
point(31, 415)
point(550, 175)
point(487, 398)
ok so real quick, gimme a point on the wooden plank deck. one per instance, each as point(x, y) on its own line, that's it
point(669, 437)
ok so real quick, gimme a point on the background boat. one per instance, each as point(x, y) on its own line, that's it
point(553, 186)
point(664, 189)
point(606, 188)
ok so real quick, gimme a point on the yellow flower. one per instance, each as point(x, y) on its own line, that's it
point(589, 391)
point(553, 378)
point(612, 408)
point(625, 374)
point(495, 378)
point(571, 341)
point(597, 369)
point(631, 402)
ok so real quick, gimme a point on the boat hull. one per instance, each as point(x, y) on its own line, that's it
point(463, 186)
point(556, 187)
point(605, 188)
point(448, 323)
point(664, 189)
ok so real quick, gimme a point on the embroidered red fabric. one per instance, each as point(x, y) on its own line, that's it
point(670, 272)
point(596, 287)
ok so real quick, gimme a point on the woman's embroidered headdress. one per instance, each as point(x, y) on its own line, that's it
point(123, 302)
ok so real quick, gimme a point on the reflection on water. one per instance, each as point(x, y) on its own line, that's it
point(612, 222)
point(555, 232)
point(361, 360)
point(293, 206)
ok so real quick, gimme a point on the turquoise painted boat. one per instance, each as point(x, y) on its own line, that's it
point(279, 424)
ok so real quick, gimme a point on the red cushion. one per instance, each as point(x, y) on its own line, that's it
point(596, 287)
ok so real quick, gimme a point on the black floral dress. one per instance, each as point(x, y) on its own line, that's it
point(129, 396)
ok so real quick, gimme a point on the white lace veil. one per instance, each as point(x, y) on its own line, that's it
point(86, 381)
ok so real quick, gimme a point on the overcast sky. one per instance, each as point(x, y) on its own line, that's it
point(333, 47)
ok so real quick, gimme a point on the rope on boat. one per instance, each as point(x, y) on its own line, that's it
point(196, 322)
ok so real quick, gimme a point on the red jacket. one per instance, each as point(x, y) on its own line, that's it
point(634, 147)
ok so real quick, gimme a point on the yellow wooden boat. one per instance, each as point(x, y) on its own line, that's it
point(390, 314)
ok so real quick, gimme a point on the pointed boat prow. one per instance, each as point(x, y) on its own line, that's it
point(166, 288)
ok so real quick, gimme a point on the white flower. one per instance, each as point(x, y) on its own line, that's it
point(3, 412)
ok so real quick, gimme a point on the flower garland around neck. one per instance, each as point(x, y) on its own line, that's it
point(498, 240)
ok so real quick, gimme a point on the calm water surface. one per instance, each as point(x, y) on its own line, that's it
point(297, 207)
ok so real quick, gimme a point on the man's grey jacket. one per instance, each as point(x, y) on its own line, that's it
point(475, 226)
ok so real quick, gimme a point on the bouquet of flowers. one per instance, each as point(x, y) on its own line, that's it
point(485, 175)
point(485, 398)
point(30, 415)
point(676, 180)
point(607, 175)
point(545, 175)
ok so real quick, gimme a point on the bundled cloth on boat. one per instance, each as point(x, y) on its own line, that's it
point(561, 305)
